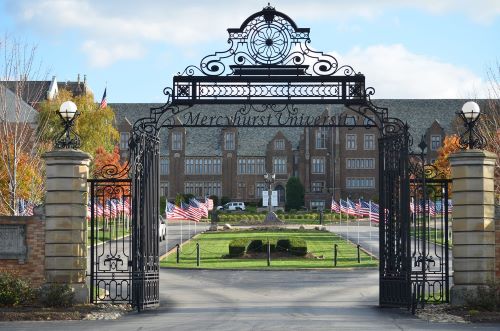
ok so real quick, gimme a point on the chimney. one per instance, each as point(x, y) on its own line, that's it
point(78, 79)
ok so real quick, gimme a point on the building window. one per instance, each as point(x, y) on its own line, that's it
point(318, 165)
point(164, 189)
point(369, 141)
point(317, 205)
point(350, 142)
point(124, 137)
point(251, 166)
point(435, 142)
point(164, 165)
point(321, 134)
point(360, 163)
point(259, 187)
point(176, 141)
point(350, 120)
point(203, 166)
point(242, 188)
point(369, 121)
point(203, 189)
point(317, 187)
point(229, 141)
point(360, 182)
point(279, 144)
point(279, 165)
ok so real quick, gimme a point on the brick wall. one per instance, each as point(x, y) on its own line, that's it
point(33, 268)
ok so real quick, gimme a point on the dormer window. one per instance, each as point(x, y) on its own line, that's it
point(279, 144)
point(176, 141)
point(435, 142)
point(229, 141)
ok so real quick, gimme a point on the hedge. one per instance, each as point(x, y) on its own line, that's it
point(295, 246)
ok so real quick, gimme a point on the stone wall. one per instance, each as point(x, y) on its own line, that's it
point(497, 243)
point(32, 267)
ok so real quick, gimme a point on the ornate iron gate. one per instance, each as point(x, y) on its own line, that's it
point(110, 251)
point(394, 236)
point(429, 209)
point(269, 67)
point(145, 211)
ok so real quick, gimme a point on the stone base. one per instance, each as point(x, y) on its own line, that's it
point(81, 293)
point(462, 294)
point(272, 219)
point(213, 227)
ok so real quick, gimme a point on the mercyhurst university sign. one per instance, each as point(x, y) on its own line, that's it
point(268, 117)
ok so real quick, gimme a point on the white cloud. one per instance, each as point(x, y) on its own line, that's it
point(102, 55)
point(395, 72)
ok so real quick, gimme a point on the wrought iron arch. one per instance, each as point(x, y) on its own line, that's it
point(270, 68)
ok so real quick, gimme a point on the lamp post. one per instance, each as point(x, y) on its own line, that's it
point(471, 138)
point(269, 178)
point(68, 138)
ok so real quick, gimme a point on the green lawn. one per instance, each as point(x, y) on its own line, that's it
point(111, 231)
point(214, 246)
point(435, 236)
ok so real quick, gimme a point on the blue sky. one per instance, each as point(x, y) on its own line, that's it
point(406, 49)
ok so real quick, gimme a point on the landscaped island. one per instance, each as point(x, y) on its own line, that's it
point(319, 246)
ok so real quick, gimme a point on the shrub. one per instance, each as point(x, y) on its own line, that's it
point(14, 290)
point(255, 245)
point(283, 244)
point(224, 200)
point(56, 295)
point(238, 247)
point(298, 246)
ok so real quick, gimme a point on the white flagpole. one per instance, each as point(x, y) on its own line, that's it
point(189, 230)
point(370, 220)
point(347, 221)
point(181, 234)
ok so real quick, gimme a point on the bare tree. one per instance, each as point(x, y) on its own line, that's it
point(489, 123)
point(20, 150)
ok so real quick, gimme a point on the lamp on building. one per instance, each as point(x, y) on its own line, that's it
point(68, 138)
point(471, 138)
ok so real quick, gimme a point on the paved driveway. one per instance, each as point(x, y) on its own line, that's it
point(261, 300)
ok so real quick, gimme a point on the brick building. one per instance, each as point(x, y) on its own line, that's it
point(329, 161)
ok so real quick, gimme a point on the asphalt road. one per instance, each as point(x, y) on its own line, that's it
point(261, 300)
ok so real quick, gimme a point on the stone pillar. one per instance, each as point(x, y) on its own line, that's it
point(65, 222)
point(473, 222)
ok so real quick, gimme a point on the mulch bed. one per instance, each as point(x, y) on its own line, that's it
point(78, 312)
point(475, 316)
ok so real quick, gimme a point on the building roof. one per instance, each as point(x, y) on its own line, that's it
point(15, 110)
point(418, 113)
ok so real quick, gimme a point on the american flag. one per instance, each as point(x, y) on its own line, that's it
point(450, 206)
point(104, 101)
point(347, 208)
point(209, 203)
point(172, 212)
point(335, 207)
point(203, 210)
point(374, 212)
point(431, 207)
point(363, 207)
point(352, 208)
point(193, 212)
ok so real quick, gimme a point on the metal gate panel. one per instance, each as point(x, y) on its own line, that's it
point(430, 209)
point(146, 202)
point(110, 251)
point(395, 257)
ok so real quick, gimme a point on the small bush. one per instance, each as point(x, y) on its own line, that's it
point(283, 244)
point(298, 246)
point(256, 246)
point(56, 295)
point(14, 290)
point(238, 247)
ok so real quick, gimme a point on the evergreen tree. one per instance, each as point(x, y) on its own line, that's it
point(294, 194)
